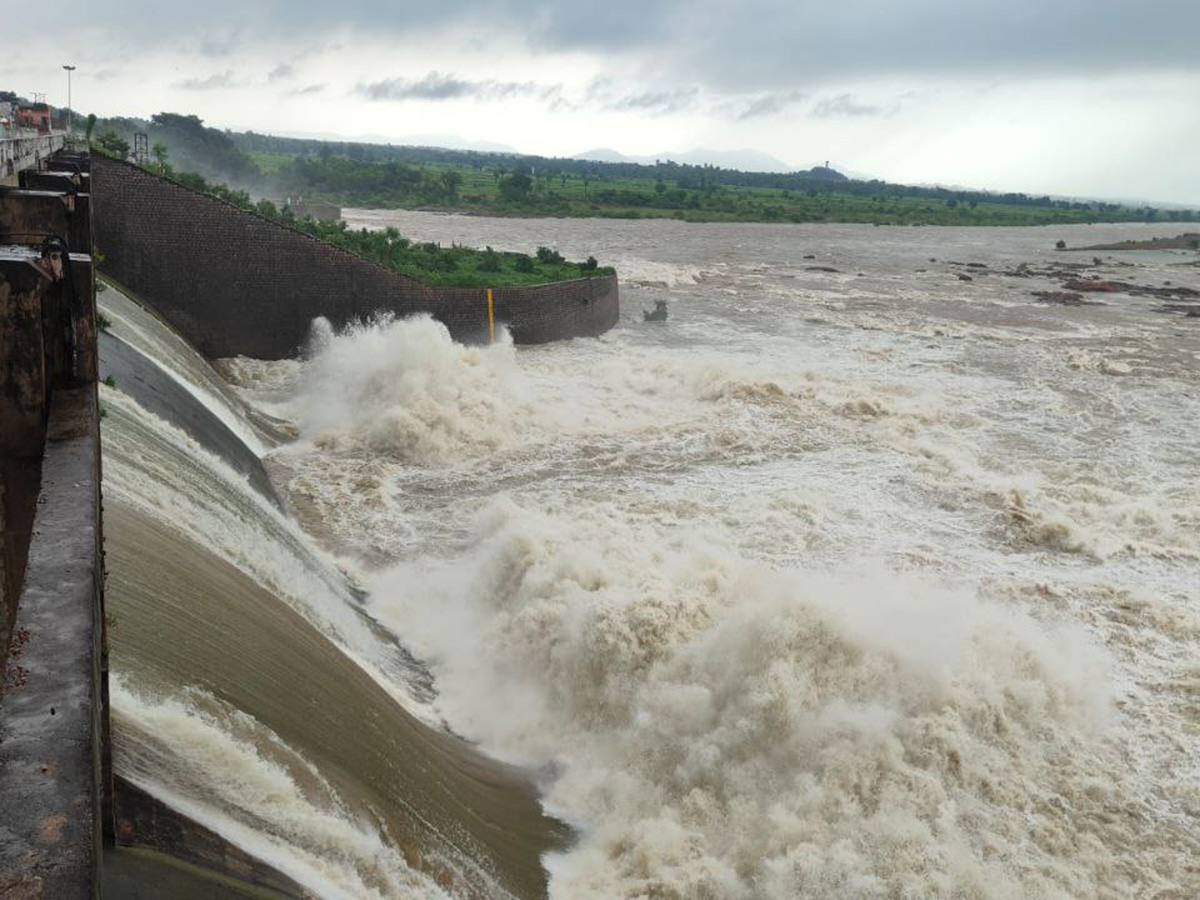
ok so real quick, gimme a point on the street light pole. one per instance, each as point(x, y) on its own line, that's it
point(70, 112)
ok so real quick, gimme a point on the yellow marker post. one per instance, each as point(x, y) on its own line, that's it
point(491, 317)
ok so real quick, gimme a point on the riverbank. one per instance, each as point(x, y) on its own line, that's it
point(1185, 241)
point(765, 206)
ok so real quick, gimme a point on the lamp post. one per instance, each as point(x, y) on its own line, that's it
point(70, 112)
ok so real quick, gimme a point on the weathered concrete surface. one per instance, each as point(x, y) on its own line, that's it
point(19, 480)
point(136, 873)
point(27, 151)
point(47, 335)
point(53, 695)
point(80, 293)
point(69, 161)
point(51, 711)
point(31, 216)
point(143, 821)
point(54, 180)
point(26, 294)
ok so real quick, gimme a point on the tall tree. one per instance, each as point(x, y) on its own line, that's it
point(159, 152)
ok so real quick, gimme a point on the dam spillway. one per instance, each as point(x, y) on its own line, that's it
point(230, 627)
point(309, 764)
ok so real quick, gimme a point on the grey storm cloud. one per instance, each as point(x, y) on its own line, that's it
point(604, 94)
point(656, 102)
point(213, 82)
point(769, 104)
point(752, 46)
point(439, 86)
point(281, 72)
point(845, 105)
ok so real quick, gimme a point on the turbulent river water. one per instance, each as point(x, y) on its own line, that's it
point(874, 582)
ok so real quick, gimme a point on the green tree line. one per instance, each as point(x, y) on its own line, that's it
point(372, 175)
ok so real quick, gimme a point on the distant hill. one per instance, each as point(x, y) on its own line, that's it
point(747, 160)
point(827, 173)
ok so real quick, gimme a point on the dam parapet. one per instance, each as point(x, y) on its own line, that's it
point(55, 772)
point(27, 149)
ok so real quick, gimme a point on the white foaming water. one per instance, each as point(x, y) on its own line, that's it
point(179, 360)
point(154, 467)
point(725, 730)
point(407, 390)
point(222, 768)
point(835, 586)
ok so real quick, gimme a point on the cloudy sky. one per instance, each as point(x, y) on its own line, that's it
point(1077, 97)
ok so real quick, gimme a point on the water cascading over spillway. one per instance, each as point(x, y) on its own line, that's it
point(250, 691)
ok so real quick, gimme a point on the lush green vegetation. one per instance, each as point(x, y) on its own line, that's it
point(666, 191)
point(455, 266)
point(505, 184)
point(383, 176)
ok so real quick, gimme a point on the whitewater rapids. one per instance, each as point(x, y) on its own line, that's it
point(875, 583)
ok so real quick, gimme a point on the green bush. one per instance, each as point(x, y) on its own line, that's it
point(489, 261)
point(550, 257)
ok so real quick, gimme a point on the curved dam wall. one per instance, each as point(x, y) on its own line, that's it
point(262, 726)
point(266, 729)
point(234, 283)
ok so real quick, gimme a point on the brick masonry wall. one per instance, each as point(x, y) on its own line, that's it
point(235, 283)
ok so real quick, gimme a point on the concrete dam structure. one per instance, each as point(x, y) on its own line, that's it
point(259, 718)
point(234, 283)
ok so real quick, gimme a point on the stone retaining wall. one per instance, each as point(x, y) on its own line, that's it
point(233, 282)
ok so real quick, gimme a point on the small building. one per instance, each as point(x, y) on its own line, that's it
point(35, 115)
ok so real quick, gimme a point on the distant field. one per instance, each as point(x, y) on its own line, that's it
point(482, 189)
